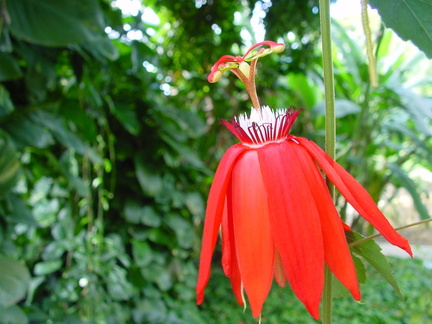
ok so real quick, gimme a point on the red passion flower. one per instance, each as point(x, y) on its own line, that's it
point(276, 214)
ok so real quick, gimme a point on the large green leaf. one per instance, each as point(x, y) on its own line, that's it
point(14, 281)
point(55, 23)
point(410, 19)
point(25, 132)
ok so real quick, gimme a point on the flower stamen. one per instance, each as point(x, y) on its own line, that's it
point(263, 126)
point(243, 70)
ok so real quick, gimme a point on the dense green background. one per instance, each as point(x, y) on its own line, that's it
point(110, 136)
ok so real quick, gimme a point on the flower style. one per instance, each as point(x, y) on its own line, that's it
point(277, 216)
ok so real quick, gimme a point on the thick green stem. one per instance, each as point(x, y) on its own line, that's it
point(330, 131)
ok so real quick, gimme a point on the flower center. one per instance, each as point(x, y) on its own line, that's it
point(263, 125)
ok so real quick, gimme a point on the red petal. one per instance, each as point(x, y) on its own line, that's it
point(336, 250)
point(345, 226)
point(229, 254)
point(279, 272)
point(295, 222)
point(226, 243)
point(213, 217)
point(238, 132)
point(355, 194)
point(254, 243)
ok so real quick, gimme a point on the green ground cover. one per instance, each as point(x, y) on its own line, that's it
point(380, 303)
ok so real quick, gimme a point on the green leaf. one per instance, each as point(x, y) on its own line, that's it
point(419, 141)
point(150, 181)
point(195, 203)
point(57, 126)
point(47, 267)
point(33, 286)
point(14, 281)
point(132, 212)
point(306, 90)
point(64, 22)
point(26, 132)
point(72, 111)
point(68, 164)
point(9, 164)
point(339, 290)
point(159, 236)
point(411, 187)
point(136, 213)
point(344, 108)
point(5, 41)
point(9, 68)
point(410, 19)
point(6, 104)
point(186, 154)
point(160, 274)
point(118, 286)
point(371, 252)
point(19, 212)
point(102, 48)
point(142, 253)
point(150, 310)
point(127, 117)
point(418, 107)
point(150, 217)
point(182, 228)
point(188, 121)
point(12, 315)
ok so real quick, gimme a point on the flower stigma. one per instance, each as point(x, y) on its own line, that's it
point(244, 67)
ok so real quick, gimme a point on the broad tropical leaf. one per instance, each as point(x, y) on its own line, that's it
point(64, 22)
point(410, 19)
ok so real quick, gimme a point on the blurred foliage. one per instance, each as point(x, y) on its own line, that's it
point(380, 304)
point(110, 138)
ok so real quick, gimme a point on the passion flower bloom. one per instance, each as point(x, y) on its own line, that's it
point(276, 214)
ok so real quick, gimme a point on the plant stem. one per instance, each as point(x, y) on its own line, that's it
point(330, 125)
point(330, 131)
point(424, 221)
point(373, 75)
